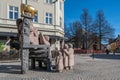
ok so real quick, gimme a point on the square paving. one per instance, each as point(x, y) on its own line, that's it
point(102, 67)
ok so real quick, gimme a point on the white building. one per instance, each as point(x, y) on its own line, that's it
point(49, 20)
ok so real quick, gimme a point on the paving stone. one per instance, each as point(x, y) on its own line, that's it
point(85, 69)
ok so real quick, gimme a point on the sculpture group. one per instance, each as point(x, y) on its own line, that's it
point(64, 58)
point(34, 44)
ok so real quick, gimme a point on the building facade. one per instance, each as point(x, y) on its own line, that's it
point(49, 19)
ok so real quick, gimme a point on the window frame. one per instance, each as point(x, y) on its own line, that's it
point(36, 16)
point(48, 18)
point(48, 1)
point(14, 12)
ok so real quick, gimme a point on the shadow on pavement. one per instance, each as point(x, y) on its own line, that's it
point(12, 69)
point(16, 69)
point(106, 56)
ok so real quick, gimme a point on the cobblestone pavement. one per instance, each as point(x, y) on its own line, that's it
point(103, 67)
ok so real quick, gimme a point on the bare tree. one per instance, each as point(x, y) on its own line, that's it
point(86, 32)
point(67, 31)
point(86, 21)
point(103, 28)
point(76, 32)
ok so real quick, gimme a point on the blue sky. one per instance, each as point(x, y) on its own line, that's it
point(111, 8)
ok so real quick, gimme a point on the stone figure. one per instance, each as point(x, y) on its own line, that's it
point(34, 35)
point(38, 38)
point(65, 56)
point(59, 60)
point(71, 56)
point(43, 39)
point(7, 46)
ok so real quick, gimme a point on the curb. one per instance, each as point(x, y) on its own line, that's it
point(9, 61)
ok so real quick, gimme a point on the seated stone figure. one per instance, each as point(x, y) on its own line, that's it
point(35, 37)
point(43, 39)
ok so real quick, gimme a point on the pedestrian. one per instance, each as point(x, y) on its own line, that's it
point(108, 49)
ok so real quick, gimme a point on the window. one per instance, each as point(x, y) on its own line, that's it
point(13, 12)
point(60, 5)
point(60, 22)
point(49, 1)
point(48, 18)
point(35, 18)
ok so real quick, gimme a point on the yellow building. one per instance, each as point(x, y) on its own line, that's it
point(115, 45)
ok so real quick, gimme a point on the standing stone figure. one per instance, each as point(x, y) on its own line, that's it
point(71, 56)
point(65, 56)
point(59, 60)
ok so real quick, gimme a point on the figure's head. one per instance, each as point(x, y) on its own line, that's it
point(65, 46)
point(47, 38)
point(70, 45)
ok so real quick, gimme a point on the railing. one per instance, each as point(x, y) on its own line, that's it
point(83, 51)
